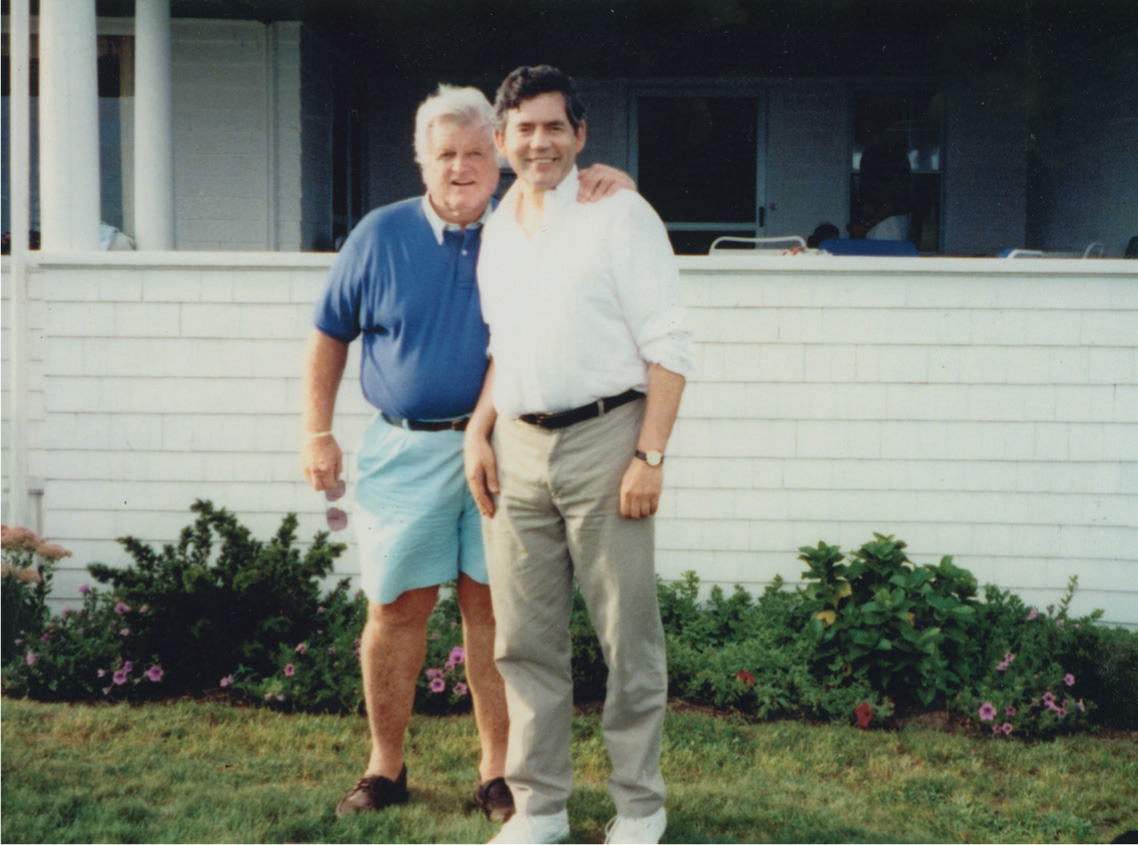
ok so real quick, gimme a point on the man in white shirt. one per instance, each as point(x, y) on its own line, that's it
point(588, 360)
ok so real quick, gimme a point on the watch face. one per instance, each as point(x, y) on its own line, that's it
point(654, 459)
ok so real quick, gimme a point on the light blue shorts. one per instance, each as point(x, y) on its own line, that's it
point(416, 521)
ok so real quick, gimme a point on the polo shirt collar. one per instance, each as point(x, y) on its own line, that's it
point(439, 226)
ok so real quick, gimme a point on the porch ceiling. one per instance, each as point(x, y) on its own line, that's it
point(684, 38)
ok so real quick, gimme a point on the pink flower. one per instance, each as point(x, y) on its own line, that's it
point(434, 673)
point(1006, 729)
point(435, 635)
point(120, 676)
point(460, 688)
point(289, 670)
point(125, 632)
point(987, 712)
point(102, 673)
point(155, 673)
point(121, 608)
point(331, 649)
point(226, 681)
point(30, 658)
point(438, 685)
point(84, 589)
point(457, 654)
point(46, 638)
point(1069, 679)
point(319, 610)
point(1048, 699)
point(144, 609)
point(302, 648)
point(1010, 711)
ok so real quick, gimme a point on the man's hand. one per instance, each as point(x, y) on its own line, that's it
point(322, 461)
point(600, 181)
point(481, 470)
point(640, 490)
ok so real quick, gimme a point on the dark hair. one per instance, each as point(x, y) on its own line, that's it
point(525, 83)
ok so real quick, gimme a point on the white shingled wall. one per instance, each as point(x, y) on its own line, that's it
point(985, 409)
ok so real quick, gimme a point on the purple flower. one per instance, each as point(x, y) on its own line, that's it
point(86, 588)
point(1048, 699)
point(1010, 711)
point(155, 673)
point(302, 648)
point(128, 667)
point(449, 665)
point(453, 625)
point(121, 608)
point(457, 654)
point(226, 681)
point(1006, 729)
point(460, 688)
point(987, 712)
point(434, 673)
point(30, 658)
point(46, 638)
point(1032, 615)
point(438, 685)
point(435, 635)
point(120, 677)
point(125, 632)
point(331, 649)
point(1069, 679)
point(319, 610)
point(289, 670)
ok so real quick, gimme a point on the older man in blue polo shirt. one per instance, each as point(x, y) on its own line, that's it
point(405, 282)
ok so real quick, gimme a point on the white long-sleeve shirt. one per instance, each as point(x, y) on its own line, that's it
point(581, 311)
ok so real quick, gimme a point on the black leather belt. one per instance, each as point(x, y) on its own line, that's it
point(585, 412)
point(422, 425)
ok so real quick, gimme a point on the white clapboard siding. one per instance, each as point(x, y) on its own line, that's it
point(978, 408)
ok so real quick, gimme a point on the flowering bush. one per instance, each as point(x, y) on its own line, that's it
point(1036, 687)
point(442, 686)
point(89, 652)
point(25, 581)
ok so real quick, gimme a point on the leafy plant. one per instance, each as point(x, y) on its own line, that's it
point(908, 630)
point(214, 611)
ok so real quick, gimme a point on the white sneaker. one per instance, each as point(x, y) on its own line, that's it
point(535, 830)
point(626, 829)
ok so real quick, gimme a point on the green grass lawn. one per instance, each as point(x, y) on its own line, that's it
point(208, 772)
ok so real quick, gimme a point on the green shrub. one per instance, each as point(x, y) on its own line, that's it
point(213, 612)
point(908, 630)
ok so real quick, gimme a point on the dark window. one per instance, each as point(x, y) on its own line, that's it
point(697, 163)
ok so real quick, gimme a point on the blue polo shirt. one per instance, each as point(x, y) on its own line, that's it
point(415, 301)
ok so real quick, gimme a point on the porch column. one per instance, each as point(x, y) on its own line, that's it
point(19, 167)
point(69, 126)
point(153, 127)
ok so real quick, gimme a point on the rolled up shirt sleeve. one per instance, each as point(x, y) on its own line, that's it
point(648, 284)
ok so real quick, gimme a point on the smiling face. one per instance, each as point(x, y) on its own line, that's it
point(460, 170)
point(539, 141)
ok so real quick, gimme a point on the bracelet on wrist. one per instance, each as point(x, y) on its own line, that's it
point(312, 435)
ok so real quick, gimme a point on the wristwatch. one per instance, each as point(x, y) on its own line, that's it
point(653, 458)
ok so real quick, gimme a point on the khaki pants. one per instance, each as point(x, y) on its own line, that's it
point(558, 516)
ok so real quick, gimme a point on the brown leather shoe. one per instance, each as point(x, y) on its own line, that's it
point(374, 792)
point(496, 799)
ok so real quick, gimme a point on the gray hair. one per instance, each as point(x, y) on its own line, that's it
point(461, 105)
